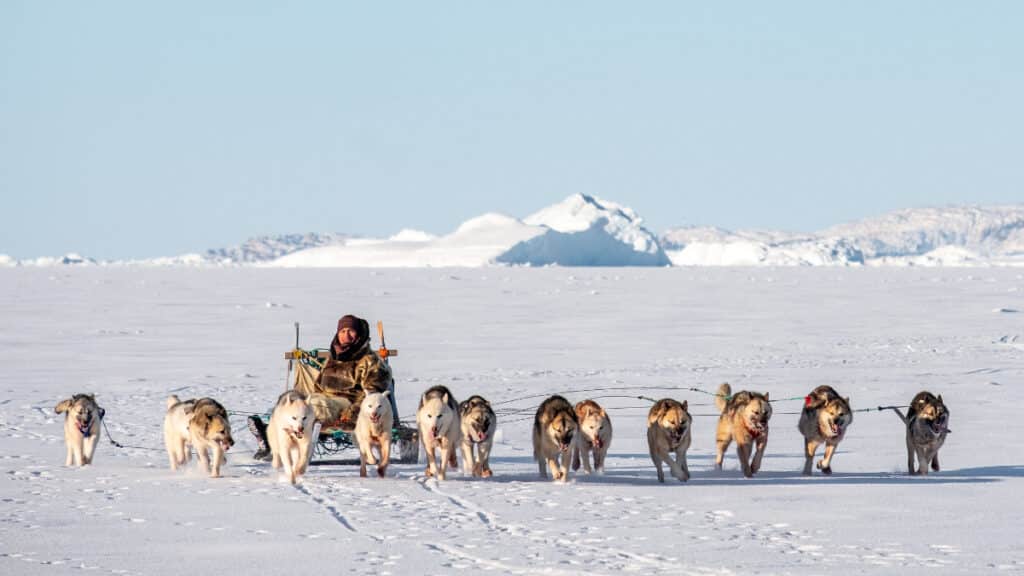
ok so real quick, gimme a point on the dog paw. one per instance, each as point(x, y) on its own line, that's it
point(486, 473)
point(827, 470)
point(382, 472)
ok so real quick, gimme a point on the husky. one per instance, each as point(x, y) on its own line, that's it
point(554, 431)
point(744, 420)
point(669, 431)
point(290, 434)
point(438, 420)
point(825, 419)
point(373, 428)
point(204, 425)
point(927, 423)
point(82, 418)
point(478, 425)
point(595, 435)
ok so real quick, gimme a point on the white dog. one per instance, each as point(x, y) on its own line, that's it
point(373, 428)
point(81, 427)
point(204, 425)
point(438, 420)
point(290, 434)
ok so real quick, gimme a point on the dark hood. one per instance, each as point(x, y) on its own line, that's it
point(355, 349)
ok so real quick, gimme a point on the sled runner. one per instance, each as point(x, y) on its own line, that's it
point(336, 436)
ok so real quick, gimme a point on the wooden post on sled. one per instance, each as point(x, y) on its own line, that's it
point(406, 439)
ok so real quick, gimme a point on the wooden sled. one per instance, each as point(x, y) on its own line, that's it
point(336, 438)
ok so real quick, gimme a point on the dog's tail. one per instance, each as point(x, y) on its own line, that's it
point(172, 400)
point(722, 397)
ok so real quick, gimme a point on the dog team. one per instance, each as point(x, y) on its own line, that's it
point(564, 434)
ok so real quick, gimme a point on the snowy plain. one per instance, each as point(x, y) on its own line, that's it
point(134, 335)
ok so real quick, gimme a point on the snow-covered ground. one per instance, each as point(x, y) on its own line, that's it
point(134, 335)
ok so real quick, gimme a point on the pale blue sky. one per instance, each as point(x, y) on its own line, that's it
point(134, 129)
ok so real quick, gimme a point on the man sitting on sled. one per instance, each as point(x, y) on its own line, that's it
point(352, 370)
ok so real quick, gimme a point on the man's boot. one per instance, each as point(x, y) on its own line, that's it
point(259, 430)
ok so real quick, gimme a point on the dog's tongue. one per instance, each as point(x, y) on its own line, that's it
point(597, 442)
point(483, 436)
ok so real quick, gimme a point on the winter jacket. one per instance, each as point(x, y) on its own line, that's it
point(364, 371)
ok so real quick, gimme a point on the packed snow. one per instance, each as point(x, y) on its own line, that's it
point(133, 336)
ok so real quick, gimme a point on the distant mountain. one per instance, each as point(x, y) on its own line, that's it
point(954, 236)
point(996, 231)
point(267, 248)
point(588, 231)
point(579, 231)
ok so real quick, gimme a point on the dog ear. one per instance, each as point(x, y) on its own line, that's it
point(386, 393)
point(444, 399)
point(686, 404)
point(656, 412)
point(63, 406)
point(766, 397)
point(847, 400)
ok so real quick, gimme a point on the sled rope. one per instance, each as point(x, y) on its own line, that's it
point(527, 413)
point(119, 445)
point(877, 409)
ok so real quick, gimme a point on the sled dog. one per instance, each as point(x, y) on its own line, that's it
point(290, 434)
point(478, 425)
point(82, 417)
point(438, 420)
point(554, 431)
point(824, 419)
point(595, 435)
point(744, 420)
point(373, 428)
point(669, 432)
point(927, 423)
point(204, 425)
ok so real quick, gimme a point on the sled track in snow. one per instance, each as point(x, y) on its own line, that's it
point(598, 554)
